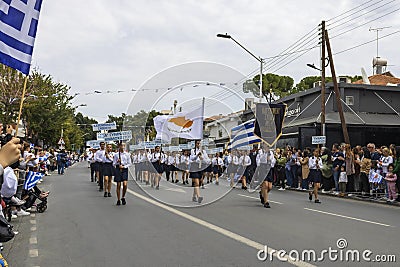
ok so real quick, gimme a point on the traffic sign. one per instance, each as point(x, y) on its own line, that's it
point(318, 140)
point(61, 141)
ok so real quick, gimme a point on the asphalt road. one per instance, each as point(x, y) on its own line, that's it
point(82, 228)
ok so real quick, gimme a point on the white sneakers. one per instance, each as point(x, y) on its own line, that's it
point(22, 213)
point(17, 201)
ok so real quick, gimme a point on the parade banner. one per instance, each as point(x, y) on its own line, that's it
point(93, 143)
point(104, 126)
point(100, 136)
point(269, 122)
point(118, 136)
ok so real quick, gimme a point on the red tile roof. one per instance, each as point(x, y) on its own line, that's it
point(381, 79)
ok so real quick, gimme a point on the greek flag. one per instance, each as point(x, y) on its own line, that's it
point(243, 135)
point(31, 179)
point(18, 25)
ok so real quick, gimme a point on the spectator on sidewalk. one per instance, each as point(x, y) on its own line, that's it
point(327, 171)
point(338, 160)
point(391, 179)
point(305, 170)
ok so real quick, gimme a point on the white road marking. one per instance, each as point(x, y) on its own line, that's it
point(347, 217)
point(33, 228)
point(33, 240)
point(227, 233)
point(33, 221)
point(33, 215)
point(276, 202)
point(33, 253)
point(176, 190)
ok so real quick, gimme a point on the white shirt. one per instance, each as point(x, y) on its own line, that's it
point(122, 158)
point(98, 156)
point(203, 157)
point(108, 159)
point(158, 157)
point(385, 163)
point(245, 160)
point(217, 161)
point(177, 159)
point(10, 183)
point(171, 160)
point(185, 159)
point(235, 160)
point(266, 158)
point(312, 163)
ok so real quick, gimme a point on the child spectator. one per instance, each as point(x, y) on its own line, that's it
point(375, 178)
point(391, 179)
point(342, 180)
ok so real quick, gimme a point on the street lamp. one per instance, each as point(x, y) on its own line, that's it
point(259, 59)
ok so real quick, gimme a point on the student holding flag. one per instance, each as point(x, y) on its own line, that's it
point(122, 161)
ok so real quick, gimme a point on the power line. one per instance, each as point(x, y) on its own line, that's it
point(338, 16)
point(371, 41)
point(363, 24)
point(361, 15)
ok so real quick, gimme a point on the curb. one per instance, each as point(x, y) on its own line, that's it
point(369, 200)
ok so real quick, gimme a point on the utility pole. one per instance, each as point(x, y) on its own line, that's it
point(323, 79)
point(336, 88)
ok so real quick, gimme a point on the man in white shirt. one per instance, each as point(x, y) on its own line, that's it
point(98, 158)
point(122, 161)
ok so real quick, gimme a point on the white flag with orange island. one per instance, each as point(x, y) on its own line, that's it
point(188, 125)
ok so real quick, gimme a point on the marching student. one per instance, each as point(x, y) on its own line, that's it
point(185, 162)
point(176, 165)
point(315, 176)
point(92, 165)
point(121, 162)
point(217, 164)
point(198, 157)
point(207, 172)
point(108, 170)
point(266, 163)
point(169, 166)
point(235, 168)
point(158, 159)
point(135, 161)
point(245, 161)
point(98, 157)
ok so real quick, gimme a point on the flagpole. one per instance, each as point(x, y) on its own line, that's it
point(20, 106)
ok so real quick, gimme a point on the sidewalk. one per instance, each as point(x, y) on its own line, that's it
point(351, 196)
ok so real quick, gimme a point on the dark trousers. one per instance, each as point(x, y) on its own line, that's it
point(350, 183)
point(327, 183)
point(101, 175)
point(295, 178)
point(364, 183)
point(92, 172)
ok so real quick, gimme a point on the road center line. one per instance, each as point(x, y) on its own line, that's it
point(220, 230)
point(347, 217)
point(276, 202)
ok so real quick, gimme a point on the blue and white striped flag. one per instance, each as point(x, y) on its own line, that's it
point(243, 135)
point(31, 179)
point(18, 25)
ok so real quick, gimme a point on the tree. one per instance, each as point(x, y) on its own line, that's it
point(273, 85)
